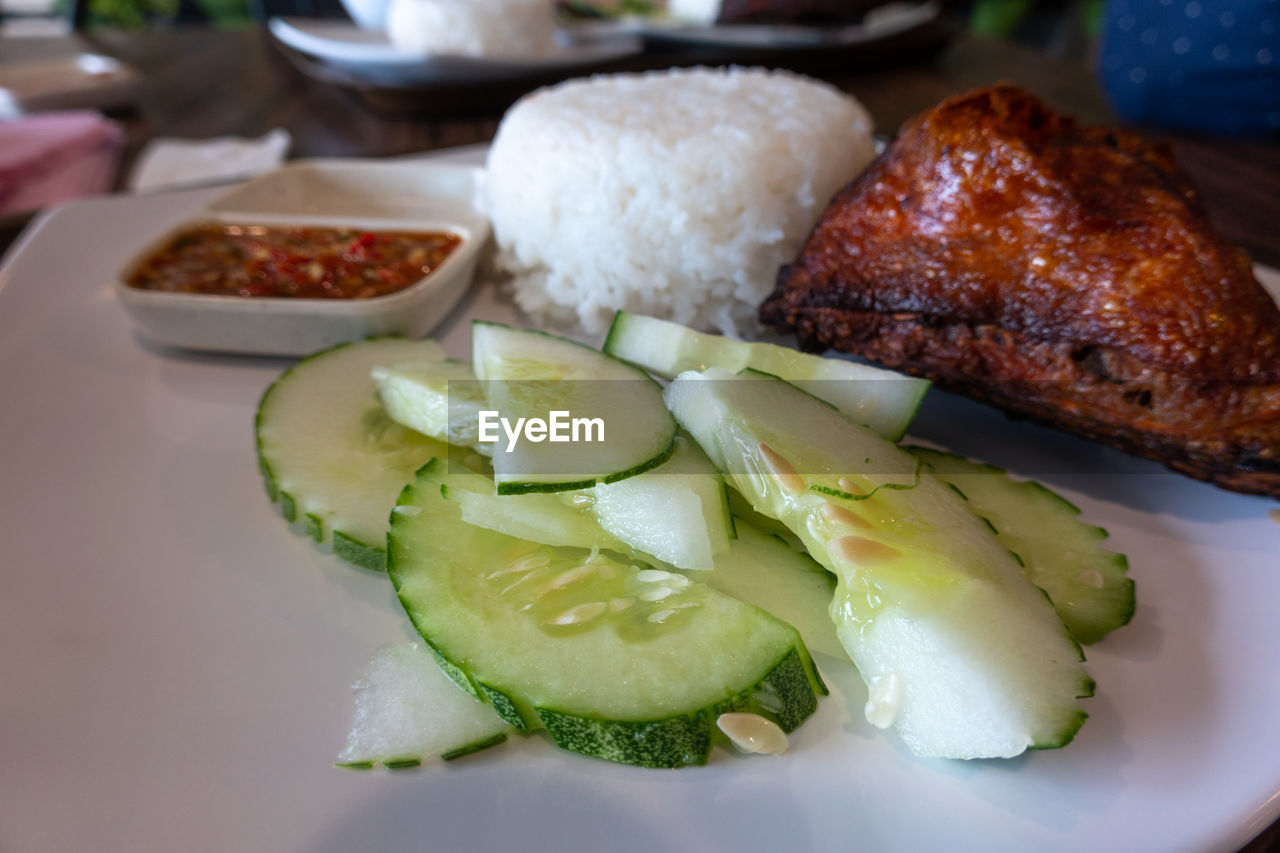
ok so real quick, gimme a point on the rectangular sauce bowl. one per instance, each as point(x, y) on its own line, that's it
point(365, 195)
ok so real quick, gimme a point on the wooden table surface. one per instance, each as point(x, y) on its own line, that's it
point(203, 83)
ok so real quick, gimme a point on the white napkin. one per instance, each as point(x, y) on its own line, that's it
point(167, 164)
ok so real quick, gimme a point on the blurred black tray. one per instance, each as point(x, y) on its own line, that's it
point(488, 97)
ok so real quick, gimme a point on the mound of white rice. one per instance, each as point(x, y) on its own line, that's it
point(676, 194)
point(489, 28)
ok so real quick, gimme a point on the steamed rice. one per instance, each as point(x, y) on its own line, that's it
point(676, 194)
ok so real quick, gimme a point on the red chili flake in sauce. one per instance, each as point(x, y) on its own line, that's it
point(296, 262)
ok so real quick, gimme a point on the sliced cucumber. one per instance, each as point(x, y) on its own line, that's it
point(440, 399)
point(744, 513)
point(408, 713)
point(1062, 555)
point(331, 456)
point(628, 664)
point(761, 569)
point(678, 512)
point(960, 652)
point(764, 570)
point(557, 518)
point(881, 399)
point(528, 374)
point(675, 514)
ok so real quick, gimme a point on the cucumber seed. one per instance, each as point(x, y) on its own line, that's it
point(753, 733)
point(841, 515)
point(860, 550)
point(1090, 577)
point(580, 613)
point(782, 469)
point(847, 485)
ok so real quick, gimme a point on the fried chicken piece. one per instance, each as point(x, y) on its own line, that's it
point(1066, 274)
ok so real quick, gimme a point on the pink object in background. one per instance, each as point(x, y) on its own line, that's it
point(55, 157)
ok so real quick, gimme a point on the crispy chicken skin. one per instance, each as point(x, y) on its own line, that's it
point(1066, 274)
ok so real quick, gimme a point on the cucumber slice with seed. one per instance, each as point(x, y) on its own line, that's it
point(881, 399)
point(408, 713)
point(755, 567)
point(528, 374)
point(624, 663)
point(330, 455)
point(1088, 585)
point(960, 652)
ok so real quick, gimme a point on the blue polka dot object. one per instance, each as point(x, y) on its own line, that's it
point(1205, 65)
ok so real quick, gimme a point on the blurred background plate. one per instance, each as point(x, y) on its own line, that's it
point(368, 56)
point(880, 23)
point(393, 94)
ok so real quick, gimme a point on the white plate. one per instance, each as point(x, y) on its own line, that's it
point(879, 24)
point(176, 663)
point(370, 56)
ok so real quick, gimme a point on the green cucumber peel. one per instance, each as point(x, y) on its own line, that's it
point(960, 652)
point(1088, 585)
point(625, 639)
point(329, 455)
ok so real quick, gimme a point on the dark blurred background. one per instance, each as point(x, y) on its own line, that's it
point(1063, 28)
